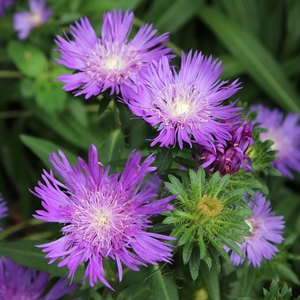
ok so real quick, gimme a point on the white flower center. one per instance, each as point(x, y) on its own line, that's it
point(99, 222)
point(181, 105)
point(282, 143)
point(112, 62)
point(35, 19)
point(250, 223)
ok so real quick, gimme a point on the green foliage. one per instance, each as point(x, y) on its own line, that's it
point(256, 59)
point(208, 214)
point(257, 41)
point(43, 148)
point(27, 254)
point(262, 155)
point(275, 293)
point(163, 285)
point(29, 59)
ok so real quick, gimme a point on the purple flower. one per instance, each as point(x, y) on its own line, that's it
point(110, 61)
point(153, 183)
point(25, 21)
point(3, 5)
point(104, 216)
point(229, 158)
point(285, 133)
point(3, 208)
point(265, 229)
point(185, 107)
point(18, 282)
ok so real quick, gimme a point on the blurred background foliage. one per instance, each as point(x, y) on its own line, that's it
point(258, 41)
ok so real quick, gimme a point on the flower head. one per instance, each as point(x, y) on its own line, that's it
point(229, 158)
point(207, 215)
point(110, 61)
point(18, 282)
point(104, 216)
point(265, 229)
point(185, 107)
point(285, 133)
point(3, 208)
point(3, 5)
point(25, 21)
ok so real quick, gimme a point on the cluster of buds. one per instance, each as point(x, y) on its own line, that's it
point(229, 158)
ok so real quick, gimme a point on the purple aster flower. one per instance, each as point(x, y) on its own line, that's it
point(265, 229)
point(3, 209)
point(153, 183)
point(285, 133)
point(18, 282)
point(104, 216)
point(3, 5)
point(185, 106)
point(110, 61)
point(229, 158)
point(25, 21)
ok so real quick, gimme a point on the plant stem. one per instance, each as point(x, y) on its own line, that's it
point(18, 227)
point(116, 114)
point(10, 74)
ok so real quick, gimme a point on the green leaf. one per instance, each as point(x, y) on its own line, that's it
point(113, 147)
point(177, 14)
point(220, 247)
point(176, 187)
point(164, 159)
point(291, 42)
point(256, 59)
point(172, 220)
point(286, 273)
point(163, 286)
point(232, 67)
point(194, 263)
point(27, 254)
point(135, 292)
point(95, 295)
point(275, 293)
point(43, 149)
point(187, 236)
point(232, 245)
point(202, 246)
point(69, 129)
point(90, 6)
point(221, 185)
point(104, 102)
point(187, 250)
point(215, 254)
point(29, 59)
point(49, 95)
point(211, 280)
point(178, 231)
point(247, 280)
point(197, 183)
point(244, 183)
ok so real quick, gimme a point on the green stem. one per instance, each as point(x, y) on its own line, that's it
point(10, 74)
point(18, 227)
point(116, 114)
point(15, 114)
